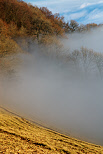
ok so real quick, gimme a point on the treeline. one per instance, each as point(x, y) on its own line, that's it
point(73, 26)
point(21, 18)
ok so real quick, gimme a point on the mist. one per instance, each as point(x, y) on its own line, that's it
point(53, 93)
point(91, 40)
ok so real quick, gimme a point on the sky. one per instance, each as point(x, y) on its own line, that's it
point(83, 11)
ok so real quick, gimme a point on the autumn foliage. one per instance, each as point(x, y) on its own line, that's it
point(29, 19)
point(21, 18)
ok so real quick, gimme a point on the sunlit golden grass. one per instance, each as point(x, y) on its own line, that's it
point(19, 136)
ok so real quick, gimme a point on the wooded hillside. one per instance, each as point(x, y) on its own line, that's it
point(18, 18)
point(26, 19)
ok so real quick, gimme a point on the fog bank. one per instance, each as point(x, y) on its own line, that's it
point(51, 92)
point(91, 40)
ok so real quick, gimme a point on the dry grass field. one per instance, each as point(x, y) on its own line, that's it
point(19, 136)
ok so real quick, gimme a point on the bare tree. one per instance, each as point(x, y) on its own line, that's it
point(84, 61)
point(98, 57)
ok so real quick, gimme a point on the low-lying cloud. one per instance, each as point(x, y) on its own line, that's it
point(91, 40)
point(49, 91)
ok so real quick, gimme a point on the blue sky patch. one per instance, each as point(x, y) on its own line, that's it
point(83, 12)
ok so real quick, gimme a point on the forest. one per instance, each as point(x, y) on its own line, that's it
point(20, 21)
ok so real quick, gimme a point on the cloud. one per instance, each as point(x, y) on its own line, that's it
point(77, 15)
point(95, 16)
point(87, 13)
point(58, 6)
point(89, 4)
point(83, 12)
point(84, 5)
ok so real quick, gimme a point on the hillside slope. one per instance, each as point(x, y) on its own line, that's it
point(17, 135)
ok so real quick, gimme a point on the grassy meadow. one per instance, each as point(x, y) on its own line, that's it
point(19, 136)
